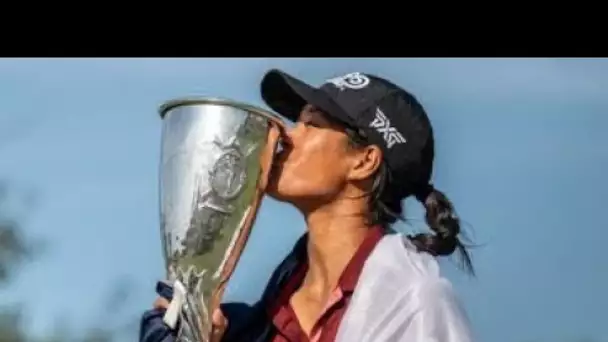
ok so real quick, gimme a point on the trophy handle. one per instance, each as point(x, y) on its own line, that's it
point(275, 129)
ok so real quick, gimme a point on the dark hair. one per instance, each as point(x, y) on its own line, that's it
point(386, 209)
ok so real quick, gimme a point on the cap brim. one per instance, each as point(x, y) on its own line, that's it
point(287, 96)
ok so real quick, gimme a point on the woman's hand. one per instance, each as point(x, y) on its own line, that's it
point(219, 322)
point(161, 303)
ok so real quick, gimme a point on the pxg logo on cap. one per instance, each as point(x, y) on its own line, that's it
point(383, 126)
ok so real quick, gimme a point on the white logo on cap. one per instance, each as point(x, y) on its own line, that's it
point(354, 80)
point(383, 126)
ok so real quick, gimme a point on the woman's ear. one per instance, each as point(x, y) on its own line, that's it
point(366, 161)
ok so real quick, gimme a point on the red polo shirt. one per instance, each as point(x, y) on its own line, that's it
point(326, 328)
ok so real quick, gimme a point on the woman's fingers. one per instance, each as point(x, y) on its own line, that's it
point(220, 323)
point(161, 303)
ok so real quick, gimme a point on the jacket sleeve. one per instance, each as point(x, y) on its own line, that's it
point(153, 329)
point(246, 323)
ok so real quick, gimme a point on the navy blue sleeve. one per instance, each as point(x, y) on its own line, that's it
point(152, 328)
point(246, 323)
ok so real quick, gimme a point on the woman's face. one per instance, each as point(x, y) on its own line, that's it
point(316, 162)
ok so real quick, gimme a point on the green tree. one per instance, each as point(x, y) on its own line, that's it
point(15, 250)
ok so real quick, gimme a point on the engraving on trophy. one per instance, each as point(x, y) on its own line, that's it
point(190, 277)
point(208, 225)
point(228, 175)
point(226, 180)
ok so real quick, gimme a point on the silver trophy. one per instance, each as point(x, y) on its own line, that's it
point(215, 158)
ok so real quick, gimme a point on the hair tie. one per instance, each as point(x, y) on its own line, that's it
point(423, 192)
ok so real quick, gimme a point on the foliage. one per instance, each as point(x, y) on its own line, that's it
point(15, 250)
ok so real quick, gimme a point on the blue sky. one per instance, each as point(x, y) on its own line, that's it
point(522, 151)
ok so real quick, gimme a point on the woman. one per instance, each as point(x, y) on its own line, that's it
point(360, 146)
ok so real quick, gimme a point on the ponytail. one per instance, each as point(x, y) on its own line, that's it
point(385, 208)
point(445, 224)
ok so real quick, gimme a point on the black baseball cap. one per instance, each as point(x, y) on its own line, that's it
point(384, 113)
